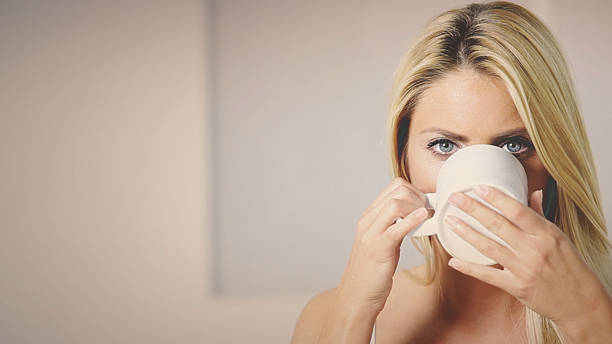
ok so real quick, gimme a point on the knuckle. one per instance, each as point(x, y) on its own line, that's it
point(557, 235)
point(545, 246)
point(490, 248)
point(519, 212)
point(497, 222)
point(403, 191)
point(522, 289)
point(394, 205)
point(404, 185)
point(564, 244)
point(538, 260)
point(418, 195)
point(414, 194)
point(556, 240)
point(397, 181)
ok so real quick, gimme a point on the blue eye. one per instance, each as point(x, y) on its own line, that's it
point(445, 146)
point(516, 145)
point(512, 147)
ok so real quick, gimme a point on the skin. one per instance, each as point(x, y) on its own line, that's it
point(479, 108)
point(541, 269)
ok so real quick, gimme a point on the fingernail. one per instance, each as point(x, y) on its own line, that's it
point(454, 263)
point(457, 198)
point(420, 213)
point(481, 190)
point(451, 220)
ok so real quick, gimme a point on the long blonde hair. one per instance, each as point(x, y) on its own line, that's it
point(504, 40)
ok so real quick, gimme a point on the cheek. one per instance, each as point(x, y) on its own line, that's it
point(423, 169)
point(537, 175)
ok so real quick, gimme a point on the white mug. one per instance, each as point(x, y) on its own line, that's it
point(468, 167)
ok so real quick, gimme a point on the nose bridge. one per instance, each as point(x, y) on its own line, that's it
point(478, 141)
point(479, 137)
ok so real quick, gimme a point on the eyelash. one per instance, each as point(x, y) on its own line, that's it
point(515, 139)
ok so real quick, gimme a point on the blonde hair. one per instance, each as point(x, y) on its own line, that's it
point(504, 40)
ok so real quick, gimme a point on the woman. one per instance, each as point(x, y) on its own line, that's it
point(486, 73)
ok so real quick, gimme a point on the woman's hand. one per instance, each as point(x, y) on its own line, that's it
point(541, 268)
point(367, 279)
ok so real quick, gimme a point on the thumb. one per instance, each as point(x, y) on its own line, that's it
point(535, 202)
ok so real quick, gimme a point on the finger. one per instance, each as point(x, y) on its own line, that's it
point(386, 191)
point(525, 218)
point(398, 231)
point(402, 192)
point(394, 184)
point(493, 276)
point(487, 246)
point(391, 209)
point(491, 219)
point(535, 202)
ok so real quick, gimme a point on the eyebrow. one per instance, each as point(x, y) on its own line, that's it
point(457, 137)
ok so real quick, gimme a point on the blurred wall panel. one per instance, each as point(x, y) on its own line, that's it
point(101, 183)
point(193, 171)
point(301, 91)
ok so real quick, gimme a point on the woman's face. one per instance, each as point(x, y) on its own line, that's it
point(462, 109)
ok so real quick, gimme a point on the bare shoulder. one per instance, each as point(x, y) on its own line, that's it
point(411, 308)
point(311, 318)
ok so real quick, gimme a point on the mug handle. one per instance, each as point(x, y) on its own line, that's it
point(427, 227)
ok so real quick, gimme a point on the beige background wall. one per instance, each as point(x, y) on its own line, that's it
point(107, 119)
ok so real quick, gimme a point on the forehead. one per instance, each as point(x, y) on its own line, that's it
point(466, 102)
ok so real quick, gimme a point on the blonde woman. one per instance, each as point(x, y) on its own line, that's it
point(487, 73)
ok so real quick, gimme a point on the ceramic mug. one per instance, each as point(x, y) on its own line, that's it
point(468, 167)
